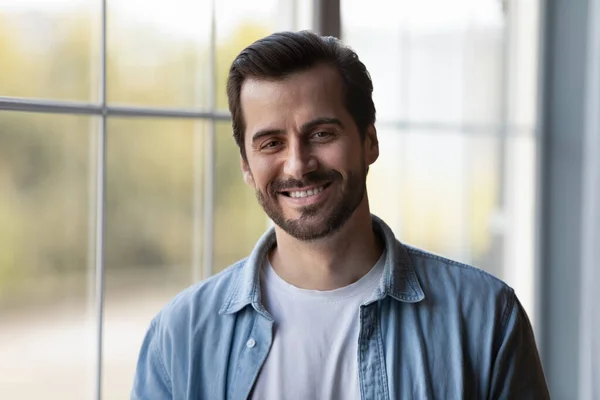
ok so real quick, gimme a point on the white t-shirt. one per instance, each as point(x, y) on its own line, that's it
point(314, 354)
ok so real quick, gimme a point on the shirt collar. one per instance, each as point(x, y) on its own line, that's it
point(398, 281)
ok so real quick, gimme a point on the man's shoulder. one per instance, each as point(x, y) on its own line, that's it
point(202, 299)
point(440, 274)
point(456, 289)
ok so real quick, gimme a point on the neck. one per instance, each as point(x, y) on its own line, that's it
point(332, 262)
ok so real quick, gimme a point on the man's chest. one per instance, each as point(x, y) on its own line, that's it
point(313, 355)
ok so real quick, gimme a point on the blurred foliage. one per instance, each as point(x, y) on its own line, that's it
point(47, 161)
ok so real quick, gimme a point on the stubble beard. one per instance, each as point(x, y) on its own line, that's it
point(311, 225)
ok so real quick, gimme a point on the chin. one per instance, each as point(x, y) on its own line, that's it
point(309, 235)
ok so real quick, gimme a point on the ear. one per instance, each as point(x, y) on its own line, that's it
point(371, 145)
point(248, 177)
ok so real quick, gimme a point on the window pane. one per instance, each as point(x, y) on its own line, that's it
point(49, 49)
point(239, 220)
point(47, 333)
point(452, 197)
point(158, 52)
point(149, 232)
point(517, 223)
point(239, 23)
point(443, 66)
point(446, 192)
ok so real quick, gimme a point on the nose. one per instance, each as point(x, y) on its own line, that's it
point(300, 160)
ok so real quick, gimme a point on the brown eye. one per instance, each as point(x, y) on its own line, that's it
point(271, 144)
point(322, 135)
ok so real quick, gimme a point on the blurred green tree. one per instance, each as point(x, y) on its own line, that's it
point(47, 164)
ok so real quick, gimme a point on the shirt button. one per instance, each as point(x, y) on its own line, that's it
point(251, 343)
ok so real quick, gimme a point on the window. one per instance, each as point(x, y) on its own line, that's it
point(161, 143)
point(455, 86)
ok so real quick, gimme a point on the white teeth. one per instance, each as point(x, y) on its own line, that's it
point(306, 193)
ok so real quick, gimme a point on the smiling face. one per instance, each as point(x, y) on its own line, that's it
point(305, 157)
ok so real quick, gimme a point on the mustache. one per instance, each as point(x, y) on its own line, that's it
point(312, 178)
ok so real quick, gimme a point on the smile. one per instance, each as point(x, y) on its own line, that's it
point(305, 193)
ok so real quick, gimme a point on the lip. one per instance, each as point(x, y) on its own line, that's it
point(309, 200)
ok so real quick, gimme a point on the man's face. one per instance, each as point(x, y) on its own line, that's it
point(305, 158)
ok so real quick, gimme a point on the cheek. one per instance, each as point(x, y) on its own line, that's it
point(342, 158)
point(264, 172)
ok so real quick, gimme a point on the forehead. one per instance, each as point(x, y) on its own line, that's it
point(297, 98)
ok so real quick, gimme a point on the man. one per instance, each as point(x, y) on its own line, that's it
point(330, 305)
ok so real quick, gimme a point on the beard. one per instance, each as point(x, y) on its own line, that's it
point(319, 220)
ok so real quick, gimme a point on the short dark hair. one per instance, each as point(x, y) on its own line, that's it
point(281, 54)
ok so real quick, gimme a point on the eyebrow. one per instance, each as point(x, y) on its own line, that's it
point(307, 126)
point(310, 125)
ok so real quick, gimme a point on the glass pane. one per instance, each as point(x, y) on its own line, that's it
point(154, 168)
point(440, 67)
point(446, 192)
point(523, 55)
point(517, 223)
point(464, 196)
point(239, 23)
point(49, 49)
point(158, 52)
point(47, 326)
point(239, 220)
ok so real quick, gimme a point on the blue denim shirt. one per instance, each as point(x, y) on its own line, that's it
point(434, 329)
